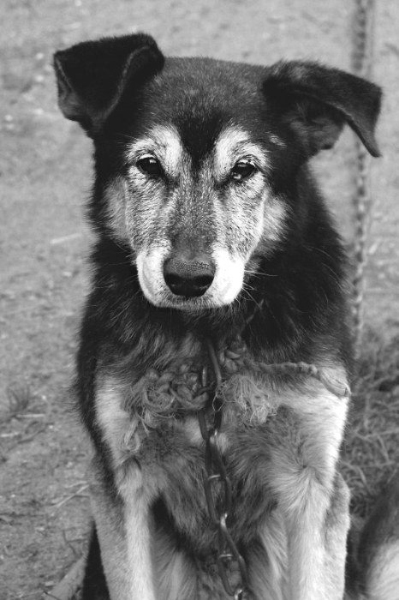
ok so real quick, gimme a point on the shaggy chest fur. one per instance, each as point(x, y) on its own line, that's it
point(152, 421)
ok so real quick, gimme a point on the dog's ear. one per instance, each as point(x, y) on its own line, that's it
point(92, 76)
point(317, 101)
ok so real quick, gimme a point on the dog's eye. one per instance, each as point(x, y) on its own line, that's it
point(242, 170)
point(149, 165)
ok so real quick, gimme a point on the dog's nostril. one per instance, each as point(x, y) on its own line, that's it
point(203, 281)
point(189, 277)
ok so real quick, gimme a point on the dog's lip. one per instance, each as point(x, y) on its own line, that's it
point(186, 304)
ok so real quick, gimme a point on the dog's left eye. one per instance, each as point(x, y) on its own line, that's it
point(149, 165)
point(242, 170)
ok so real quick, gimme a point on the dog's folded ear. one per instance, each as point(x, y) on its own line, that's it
point(93, 76)
point(317, 101)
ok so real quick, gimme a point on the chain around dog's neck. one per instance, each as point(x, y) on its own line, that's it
point(216, 477)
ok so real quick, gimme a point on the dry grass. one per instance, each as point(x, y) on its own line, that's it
point(371, 449)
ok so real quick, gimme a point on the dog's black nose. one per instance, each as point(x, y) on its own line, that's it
point(189, 276)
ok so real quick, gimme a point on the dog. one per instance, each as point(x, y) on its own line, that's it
point(215, 349)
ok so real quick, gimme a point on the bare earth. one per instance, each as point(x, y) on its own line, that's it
point(44, 180)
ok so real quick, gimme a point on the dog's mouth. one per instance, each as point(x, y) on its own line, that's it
point(202, 282)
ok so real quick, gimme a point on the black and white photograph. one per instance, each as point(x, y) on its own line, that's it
point(199, 300)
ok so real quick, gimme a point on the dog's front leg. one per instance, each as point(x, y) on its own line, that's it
point(136, 507)
point(123, 530)
point(317, 544)
point(308, 488)
point(133, 497)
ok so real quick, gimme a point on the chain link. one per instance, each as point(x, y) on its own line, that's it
point(363, 39)
point(218, 490)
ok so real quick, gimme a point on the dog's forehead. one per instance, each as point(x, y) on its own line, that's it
point(210, 82)
point(202, 98)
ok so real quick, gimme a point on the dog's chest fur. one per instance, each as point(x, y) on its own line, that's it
point(279, 434)
point(246, 453)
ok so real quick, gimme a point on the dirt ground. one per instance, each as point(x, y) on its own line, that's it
point(44, 180)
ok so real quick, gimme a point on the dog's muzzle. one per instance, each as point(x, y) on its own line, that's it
point(189, 276)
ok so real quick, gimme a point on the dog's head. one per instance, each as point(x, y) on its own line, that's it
point(196, 158)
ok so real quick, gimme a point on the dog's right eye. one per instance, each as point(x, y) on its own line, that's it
point(243, 169)
point(149, 165)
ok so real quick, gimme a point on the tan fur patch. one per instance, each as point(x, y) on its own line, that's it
point(119, 428)
point(233, 144)
point(115, 197)
point(164, 142)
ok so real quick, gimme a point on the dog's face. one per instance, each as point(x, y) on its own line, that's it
point(195, 203)
point(194, 157)
point(195, 227)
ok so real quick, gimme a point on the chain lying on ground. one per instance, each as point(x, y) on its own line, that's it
point(362, 66)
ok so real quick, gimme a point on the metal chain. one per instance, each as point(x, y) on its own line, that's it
point(218, 490)
point(362, 65)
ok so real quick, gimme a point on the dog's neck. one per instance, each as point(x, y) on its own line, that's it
point(271, 332)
